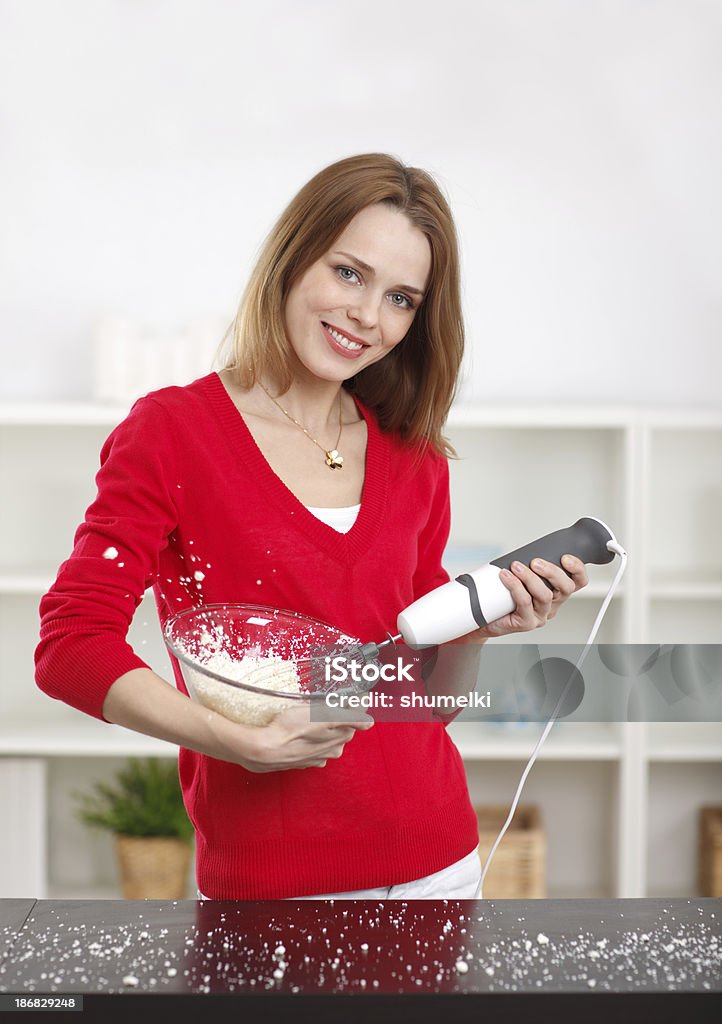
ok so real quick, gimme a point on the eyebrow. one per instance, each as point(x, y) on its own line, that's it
point(370, 270)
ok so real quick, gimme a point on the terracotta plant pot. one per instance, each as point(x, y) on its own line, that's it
point(153, 867)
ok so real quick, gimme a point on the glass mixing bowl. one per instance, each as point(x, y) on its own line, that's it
point(249, 662)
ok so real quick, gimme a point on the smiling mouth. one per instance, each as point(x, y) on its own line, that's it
point(352, 346)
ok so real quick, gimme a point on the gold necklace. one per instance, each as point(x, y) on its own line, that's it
point(333, 459)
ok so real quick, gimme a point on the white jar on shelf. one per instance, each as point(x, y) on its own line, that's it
point(132, 359)
point(115, 360)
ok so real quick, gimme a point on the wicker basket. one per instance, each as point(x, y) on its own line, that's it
point(518, 868)
point(710, 851)
point(153, 868)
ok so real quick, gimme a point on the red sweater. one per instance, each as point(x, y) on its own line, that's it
point(183, 486)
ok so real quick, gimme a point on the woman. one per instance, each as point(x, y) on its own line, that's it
point(310, 473)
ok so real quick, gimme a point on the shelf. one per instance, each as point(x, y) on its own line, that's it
point(577, 893)
point(570, 416)
point(687, 592)
point(84, 413)
point(59, 414)
point(75, 736)
point(686, 586)
point(82, 736)
point(673, 892)
point(684, 741)
point(56, 891)
point(692, 621)
point(25, 583)
point(537, 416)
point(567, 741)
point(74, 892)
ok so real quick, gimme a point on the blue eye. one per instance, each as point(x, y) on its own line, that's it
point(340, 272)
point(407, 300)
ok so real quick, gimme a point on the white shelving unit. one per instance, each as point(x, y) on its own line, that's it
point(655, 477)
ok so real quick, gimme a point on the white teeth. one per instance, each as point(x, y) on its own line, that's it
point(343, 340)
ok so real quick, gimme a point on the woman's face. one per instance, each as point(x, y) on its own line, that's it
point(355, 303)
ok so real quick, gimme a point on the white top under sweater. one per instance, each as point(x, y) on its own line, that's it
point(341, 519)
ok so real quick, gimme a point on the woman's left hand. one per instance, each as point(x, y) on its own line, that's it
point(535, 602)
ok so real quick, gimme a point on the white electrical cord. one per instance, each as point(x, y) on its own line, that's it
point(619, 550)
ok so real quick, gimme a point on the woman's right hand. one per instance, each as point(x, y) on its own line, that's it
point(292, 740)
point(143, 701)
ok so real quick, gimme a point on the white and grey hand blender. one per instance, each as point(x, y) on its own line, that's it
point(475, 599)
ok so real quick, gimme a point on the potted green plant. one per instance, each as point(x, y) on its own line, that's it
point(153, 834)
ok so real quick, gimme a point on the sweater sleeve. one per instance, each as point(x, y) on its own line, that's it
point(434, 536)
point(85, 616)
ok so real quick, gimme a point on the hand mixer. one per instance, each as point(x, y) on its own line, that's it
point(475, 599)
point(458, 607)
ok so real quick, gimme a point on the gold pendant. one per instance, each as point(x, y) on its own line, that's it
point(334, 460)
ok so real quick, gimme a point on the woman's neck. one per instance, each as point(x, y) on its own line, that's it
point(316, 404)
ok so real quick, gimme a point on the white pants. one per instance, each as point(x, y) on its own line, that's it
point(460, 881)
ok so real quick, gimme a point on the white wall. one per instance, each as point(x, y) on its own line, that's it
point(148, 146)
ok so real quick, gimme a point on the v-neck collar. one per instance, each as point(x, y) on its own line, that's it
point(343, 546)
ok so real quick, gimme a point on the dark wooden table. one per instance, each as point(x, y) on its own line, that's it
point(365, 960)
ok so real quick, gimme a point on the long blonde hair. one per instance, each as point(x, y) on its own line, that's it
point(412, 388)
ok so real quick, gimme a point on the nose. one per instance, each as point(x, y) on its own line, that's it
point(364, 310)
